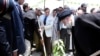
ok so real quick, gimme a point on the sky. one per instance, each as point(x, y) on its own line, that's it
point(74, 4)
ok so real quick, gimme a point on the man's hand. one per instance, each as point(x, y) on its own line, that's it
point(39, 30)
point(42, 27)
point(15, 53)
point(42, 41)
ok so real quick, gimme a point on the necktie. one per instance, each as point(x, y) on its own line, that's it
point(45, 20)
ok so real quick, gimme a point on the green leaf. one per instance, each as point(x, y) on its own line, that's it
point(58, 48)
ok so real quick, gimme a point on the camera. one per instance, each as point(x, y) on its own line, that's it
point(6, 6)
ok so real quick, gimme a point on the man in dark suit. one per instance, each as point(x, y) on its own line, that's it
point(18, 28)
point(6, 33)
point(11, 28)
point(87, 34)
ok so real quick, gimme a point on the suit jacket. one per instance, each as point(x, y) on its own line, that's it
point(18, 29)
point(49, 24)
point(6, 38)
point(87, 34)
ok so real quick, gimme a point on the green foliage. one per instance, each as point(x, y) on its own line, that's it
point(58, 48)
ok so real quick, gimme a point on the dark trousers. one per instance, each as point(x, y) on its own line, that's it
point(47, 42)
point(66, 39)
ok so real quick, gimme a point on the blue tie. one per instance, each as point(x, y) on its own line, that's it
point(45, 20)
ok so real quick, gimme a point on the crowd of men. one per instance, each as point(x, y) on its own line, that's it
point(78, 29)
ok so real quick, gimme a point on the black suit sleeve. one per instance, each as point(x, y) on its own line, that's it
point(87, 34)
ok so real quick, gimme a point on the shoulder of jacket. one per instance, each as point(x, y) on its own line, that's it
point(42, 15)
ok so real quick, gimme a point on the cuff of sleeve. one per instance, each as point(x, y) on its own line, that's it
point(15, 50)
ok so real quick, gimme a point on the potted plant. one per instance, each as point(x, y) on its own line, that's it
point(58, 48)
